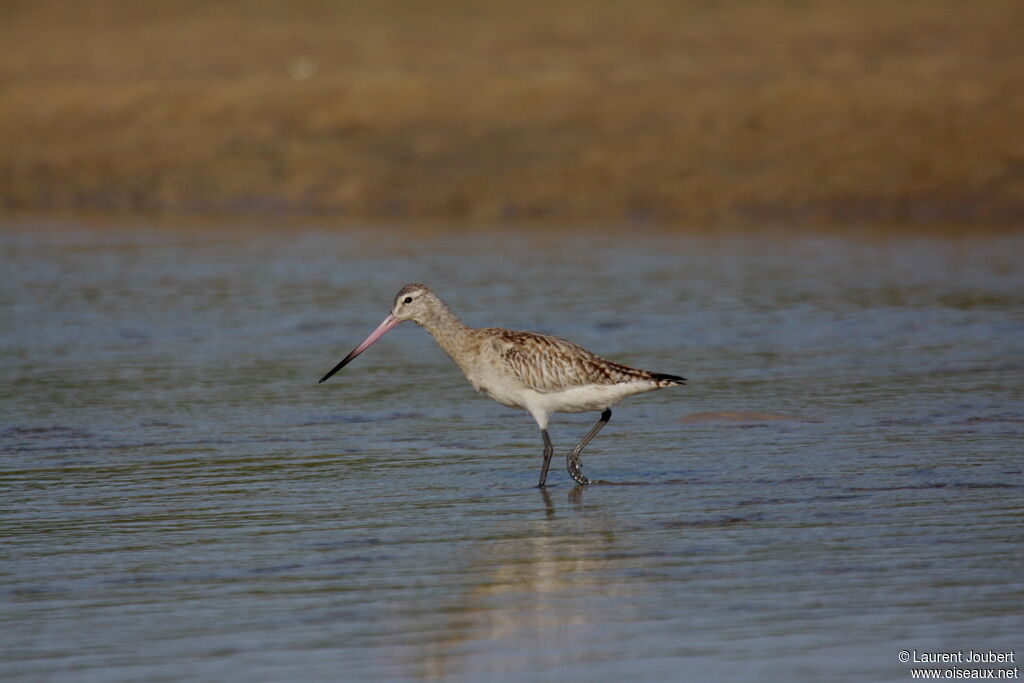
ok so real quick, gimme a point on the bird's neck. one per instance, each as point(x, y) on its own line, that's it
point(448, 331)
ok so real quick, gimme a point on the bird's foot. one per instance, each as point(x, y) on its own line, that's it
point(576, 471)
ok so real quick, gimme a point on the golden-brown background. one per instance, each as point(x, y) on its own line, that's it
point(693, 112)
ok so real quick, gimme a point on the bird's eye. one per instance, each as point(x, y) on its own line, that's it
point(407, 300)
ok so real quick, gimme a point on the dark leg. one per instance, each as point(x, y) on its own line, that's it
point(548, 451)
point(572, 461)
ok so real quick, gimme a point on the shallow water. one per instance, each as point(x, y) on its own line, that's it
point(840, 480)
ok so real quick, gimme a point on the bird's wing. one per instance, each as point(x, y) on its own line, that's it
point(547, 364)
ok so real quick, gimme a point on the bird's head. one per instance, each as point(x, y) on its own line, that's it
point(413, 302)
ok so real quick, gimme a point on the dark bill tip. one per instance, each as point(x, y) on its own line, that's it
point(337, 367)
point(388, 323)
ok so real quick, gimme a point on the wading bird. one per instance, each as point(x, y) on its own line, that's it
point(535, 372)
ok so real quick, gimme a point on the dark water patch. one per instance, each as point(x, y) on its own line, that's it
point(1007, 368)
point(938, 485)
point(768, 501)
point(340, 419)
point(989, 485)
point(901, 487)
point(811, 501)
point(946, 420)
point(365, 560)
point(167, 446)
point(144, 580)
point(739, 418)
point(360, 418)
point(631, 555)
point(346, 543)
point(835, 497)
point(48, 431)
point(1014, 419)
point(724, 521)
point(47, 438)
point(775, 482)
point(50, 449)
point(38, 591)
point(275, 569)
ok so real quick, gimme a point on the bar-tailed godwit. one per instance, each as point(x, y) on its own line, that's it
point(535, 372)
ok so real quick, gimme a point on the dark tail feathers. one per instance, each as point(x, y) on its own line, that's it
point(668, 379)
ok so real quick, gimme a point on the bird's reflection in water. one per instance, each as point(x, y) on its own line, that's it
point(537, 592)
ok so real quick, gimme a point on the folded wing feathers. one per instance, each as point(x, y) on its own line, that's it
point(548, 364)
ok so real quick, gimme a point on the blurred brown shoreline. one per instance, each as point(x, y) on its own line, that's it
point(816, 113)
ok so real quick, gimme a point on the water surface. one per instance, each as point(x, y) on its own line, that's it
point(180, 499)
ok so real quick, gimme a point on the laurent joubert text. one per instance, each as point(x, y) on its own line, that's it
point(961, 657)
point(957, 657)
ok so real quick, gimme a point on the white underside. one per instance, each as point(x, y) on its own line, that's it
point(575, 400)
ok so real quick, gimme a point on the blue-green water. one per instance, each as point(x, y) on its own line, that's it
point(179, 499)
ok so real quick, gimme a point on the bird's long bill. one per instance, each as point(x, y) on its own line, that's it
point(381, 330)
